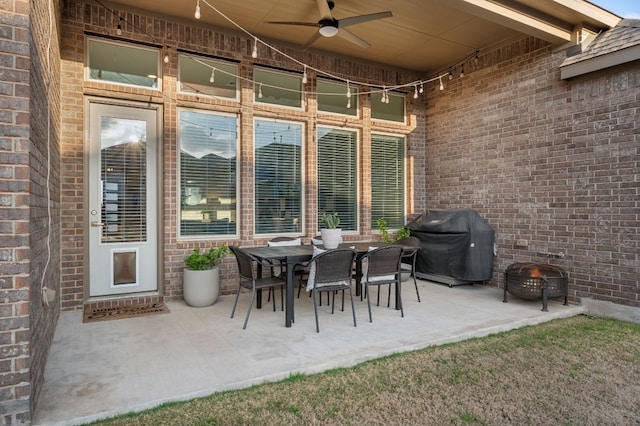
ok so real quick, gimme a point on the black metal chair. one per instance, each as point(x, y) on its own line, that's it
point(279, 269)
point(247, 267)
point(381, 266)
point(330, 271)
point(408, 265)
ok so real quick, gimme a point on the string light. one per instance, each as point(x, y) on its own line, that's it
point(166, 56)
point(348, 90)
point(213, 75)
point(254, 53)
point(415, 94)
point(260, 91)
point(197, 12)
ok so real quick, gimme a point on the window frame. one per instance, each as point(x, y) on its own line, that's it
point(143, 47)
point(391, 95)
point(356, 176)
point(301, 224)
point(220, 63)
point(355, 99)
point(237, 145)
point(403, 138)
point(257, 86)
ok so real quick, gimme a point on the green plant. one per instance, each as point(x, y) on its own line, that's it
point(331, 220)
point(206, 260)
point(386, 236)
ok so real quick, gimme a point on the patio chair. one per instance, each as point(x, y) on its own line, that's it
point(408, 265)
point(330, 271)
point(280, 269)
point(250, 280)
point(381, 266)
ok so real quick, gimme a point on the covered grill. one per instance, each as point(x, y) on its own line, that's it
point(457, 246)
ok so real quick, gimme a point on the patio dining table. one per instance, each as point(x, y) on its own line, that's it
point(292, 255)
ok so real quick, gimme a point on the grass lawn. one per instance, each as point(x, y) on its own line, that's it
point(576, 371)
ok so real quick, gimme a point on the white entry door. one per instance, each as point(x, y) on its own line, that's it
point(123, 158)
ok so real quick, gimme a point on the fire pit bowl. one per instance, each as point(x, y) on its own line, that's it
point(536, 281)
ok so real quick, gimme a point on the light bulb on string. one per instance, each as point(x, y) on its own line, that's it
point(421, 87)
point(348, 90)
point(260, 91)
point(166, 57)
point(304, 75)
point(197, 12)
point(213, 75)
point(441, 85)
point(348, 103)
point(384, 93)
point(254, 53)
point(119, 28)
point(462, 71)
point(450, 74)
point(415, 94)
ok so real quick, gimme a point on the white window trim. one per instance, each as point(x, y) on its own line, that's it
point(406, 176)
point(355, 97)
point(382, 120)
point(256, 85)
point(204, 95)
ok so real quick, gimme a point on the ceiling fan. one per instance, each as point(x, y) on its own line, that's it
point(329, 26)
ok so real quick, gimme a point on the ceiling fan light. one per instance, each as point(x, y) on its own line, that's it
point(328, 31)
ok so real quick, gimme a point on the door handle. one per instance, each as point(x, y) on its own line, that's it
point(96, 223)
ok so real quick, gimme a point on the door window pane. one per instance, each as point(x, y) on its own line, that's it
point(208, 153)
point(332, 97)
point(387, 180)
point(123, 173)
point(123, 63)
point(278, 88)
point(208, 77)
point(337, 176)
point(278, 177)
point(394, 110)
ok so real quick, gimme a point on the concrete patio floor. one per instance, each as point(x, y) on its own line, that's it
point(102, 369)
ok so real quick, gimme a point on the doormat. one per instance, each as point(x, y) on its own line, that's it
point(121, 312)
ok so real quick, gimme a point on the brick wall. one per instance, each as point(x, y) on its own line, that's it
point(30, 241)
point(550, 162)
point(85, 16)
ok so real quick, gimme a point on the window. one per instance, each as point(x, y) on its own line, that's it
point(392, 111)
point(337, 176)
point(208, 77)
point(123, 63)
point(208, 164)
point(333, 97)
point(278, 177)
point(387, 180)
point(278, 88)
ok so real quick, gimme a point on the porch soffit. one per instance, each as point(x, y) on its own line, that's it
point(424, 36)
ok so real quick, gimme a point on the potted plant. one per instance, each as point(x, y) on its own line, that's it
point(201, 280)
point(331, 234)
point(386, 236)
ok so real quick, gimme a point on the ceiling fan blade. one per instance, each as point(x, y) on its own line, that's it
point(364, 18)
point(304, 24)
point(349, 36)
point(325, 11)
point(313, 38)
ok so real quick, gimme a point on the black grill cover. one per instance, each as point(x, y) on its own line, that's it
point(456, 243)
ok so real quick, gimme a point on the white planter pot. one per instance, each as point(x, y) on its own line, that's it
point(201, 288)
point(331, 238)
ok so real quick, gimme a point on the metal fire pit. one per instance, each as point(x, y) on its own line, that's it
point(536, 281)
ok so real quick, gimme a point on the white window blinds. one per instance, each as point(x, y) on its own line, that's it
point(337, 176)
point(208, 145)
point(278, 177)
point(387, 179)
